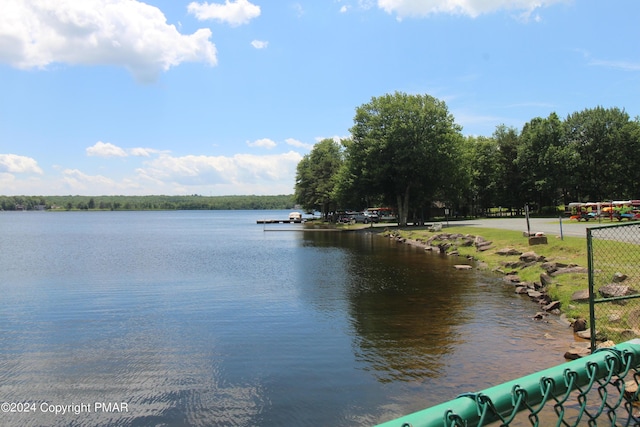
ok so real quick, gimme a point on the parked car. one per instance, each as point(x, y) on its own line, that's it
point(351, 217)
point(364, 218)
point(373, 217)
point(345, 218)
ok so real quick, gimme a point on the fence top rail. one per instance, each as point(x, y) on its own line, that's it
point(534, 389)
point(624, 224)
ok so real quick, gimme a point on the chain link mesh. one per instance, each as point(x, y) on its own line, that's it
point(589, 394)
point(605, 400)
point(614, 282)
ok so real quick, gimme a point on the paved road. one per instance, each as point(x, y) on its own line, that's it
point(549, 226)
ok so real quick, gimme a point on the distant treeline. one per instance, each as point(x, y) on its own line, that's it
point(194, 202)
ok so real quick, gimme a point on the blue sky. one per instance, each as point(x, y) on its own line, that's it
point(102, 97)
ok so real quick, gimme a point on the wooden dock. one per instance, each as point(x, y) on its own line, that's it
point(281, 221)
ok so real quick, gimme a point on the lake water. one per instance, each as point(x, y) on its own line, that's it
point(205, 318)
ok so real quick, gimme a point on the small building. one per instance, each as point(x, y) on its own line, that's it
point(295, 216)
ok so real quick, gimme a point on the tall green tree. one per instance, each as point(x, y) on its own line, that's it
point(509, 177)
point(317, 176)
point(484, 160)
point(544, 161)
point(605, 142)
point(631, 152)
point(403, 146)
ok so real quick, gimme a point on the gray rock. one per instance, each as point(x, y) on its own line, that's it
point(577, 353)
point(553, 266)
point(545, 279)
point(534, 294)
point(484, 246)
point(467, 242)
point(514, 264)
point(615, 318)
point(580, 296)
point(508, 251)
point(544, 299)
point(633, 319)
point(612, 290)
point(619, 277)
point(479, 240)
point(538, 240)
point(554, 305)
point(586, 334)
point(512, 278)
point(628, 334)
point(528, 256)
point(579, 325)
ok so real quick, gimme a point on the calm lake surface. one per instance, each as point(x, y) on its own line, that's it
point(205, 318)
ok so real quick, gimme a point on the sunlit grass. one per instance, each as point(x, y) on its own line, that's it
point(615, 321)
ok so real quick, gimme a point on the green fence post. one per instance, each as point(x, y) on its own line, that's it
point(592, 309)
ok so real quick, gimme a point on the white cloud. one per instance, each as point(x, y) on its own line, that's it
point(15, 185)
point(260, 44)
point(128, 33)
point(105, 149)
point(366, 4)
point(80, 181)
point(74, 181)
point(239, 171)
point(12, 163)
point(472, 8)
point(262, 143)
point(298, 9)
point(614, 64)
point(234, 13)
point(162, 174)
point(619, 65)
point(295, 143)
point(142, 152)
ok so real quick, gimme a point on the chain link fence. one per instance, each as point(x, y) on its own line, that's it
point(600, 389)
point(614, 282)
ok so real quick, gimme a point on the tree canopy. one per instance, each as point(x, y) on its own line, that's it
point(407, 152)
point(145, 202)
point(403, 147)
point(317, 177)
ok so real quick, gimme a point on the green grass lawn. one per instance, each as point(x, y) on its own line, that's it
point(571, 251)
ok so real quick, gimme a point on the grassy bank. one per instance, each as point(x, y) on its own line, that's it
point(570, 251)
point(616, 322)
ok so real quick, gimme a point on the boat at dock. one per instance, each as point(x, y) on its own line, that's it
point(294, 218)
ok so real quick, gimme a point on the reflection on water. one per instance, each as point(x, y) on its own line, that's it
point(424, 327)
point(404, 321)
point(205, 319)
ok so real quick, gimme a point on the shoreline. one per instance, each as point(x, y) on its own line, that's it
point(576, 343)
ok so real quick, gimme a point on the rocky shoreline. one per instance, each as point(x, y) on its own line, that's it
point(448, 243)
